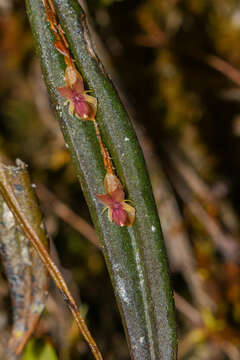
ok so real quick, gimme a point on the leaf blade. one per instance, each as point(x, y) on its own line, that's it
point(35, 352)
point(135, 257)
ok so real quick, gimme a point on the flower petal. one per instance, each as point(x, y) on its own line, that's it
point(65, 92)
point(78, 86)
point(71, 108)
point(131, 214)
point(105, 199)
point(110, 214)
point(93, 104)
point(118, 195)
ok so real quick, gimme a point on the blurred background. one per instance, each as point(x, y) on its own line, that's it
point(176, 64)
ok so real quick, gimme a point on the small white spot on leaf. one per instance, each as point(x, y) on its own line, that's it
point(122, 290)
point(153, 228)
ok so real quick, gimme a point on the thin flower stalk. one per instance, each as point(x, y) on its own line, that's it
point(84, 107)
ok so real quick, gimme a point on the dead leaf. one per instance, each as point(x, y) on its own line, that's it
point(25, 271)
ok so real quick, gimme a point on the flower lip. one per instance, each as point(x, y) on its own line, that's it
point(81, 107)
point(119, 215)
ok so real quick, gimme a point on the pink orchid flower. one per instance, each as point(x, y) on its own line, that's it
point(80, 104)
point(119, 211)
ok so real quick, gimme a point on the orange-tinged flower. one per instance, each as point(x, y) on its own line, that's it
point(119, 212)
point(80, 104)
point(60, 46)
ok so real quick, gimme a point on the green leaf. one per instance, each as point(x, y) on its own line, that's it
point(135, 256)
point(38, 350)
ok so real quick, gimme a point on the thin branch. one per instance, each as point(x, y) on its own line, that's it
point(231, 350)
point(225, 242)
point(190, 176)
point(67, 215)
point(224, 67)
point(187, 310)
point(212, 198)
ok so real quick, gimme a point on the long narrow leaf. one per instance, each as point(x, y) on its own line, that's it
point(135, 256)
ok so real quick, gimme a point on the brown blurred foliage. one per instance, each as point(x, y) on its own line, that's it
point(177, 62)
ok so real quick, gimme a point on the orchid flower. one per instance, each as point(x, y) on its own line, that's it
point(81, 104)
point(119, 212)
